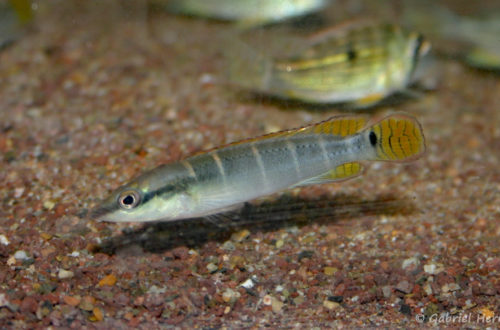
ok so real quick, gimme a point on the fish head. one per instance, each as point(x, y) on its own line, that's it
point(147, 198)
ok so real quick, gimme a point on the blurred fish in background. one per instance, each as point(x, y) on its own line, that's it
point(14, 14)
point(477, 38)
point(247, 13)
point(360, 63)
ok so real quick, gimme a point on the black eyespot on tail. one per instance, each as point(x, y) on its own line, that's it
point(373, 138)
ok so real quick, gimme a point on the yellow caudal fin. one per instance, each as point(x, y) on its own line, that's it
point(340, 173)
point(397, 138)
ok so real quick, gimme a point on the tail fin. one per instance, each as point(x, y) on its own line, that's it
point(397, 138)
point(248, 68)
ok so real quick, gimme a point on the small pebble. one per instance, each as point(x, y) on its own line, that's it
point(108, 280)
point(230, 296)
point(72, 300)
point(18, 192)
point(4, 240)
point(212, 268)
point(3, 300)
point(428, 289)
point(386, 291)
point(330, 304)
point(248, 284)
point(487, 313)
point(87, 303)
point(404, 286)
point(48, 204)
point(11, 261)
point(308, 239)
point(453, 287)
point(46, 236)
point(329, 271)
point(207, 78)
point(240, 236)
point(405, 309)
point(469, 304)
point(64, 274)
point(228, 246)
point(411, 262)
point(227, 310)
point(433, 269)
point(267, 300)
point(298, 300)
point(97, 313)
point(20, 255)
point(279, 243)
point(29, 305)
point(156, 290)
point(276, 305)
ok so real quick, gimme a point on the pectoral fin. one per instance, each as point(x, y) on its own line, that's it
point(341, 172)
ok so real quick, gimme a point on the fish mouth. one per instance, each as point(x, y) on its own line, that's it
point(99, 213)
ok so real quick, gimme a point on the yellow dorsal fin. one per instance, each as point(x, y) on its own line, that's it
point(343, 125)
point(340, 125)
point(339, 173)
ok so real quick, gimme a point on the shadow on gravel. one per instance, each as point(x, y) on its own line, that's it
point(284, 212)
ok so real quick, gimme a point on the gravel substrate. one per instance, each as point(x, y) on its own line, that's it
point(92, 96)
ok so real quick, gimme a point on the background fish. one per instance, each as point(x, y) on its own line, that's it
point(221, 179)
point(477, 36)
point(14, 15)
point(247, 12)
point(357, 63)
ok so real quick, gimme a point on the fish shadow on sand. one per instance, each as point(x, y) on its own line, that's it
point(284, 212)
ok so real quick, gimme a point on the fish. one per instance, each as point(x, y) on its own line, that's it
point(359, 63)
point(14, 16)
point(224, 178)
point(248, 13)
point(473, 38)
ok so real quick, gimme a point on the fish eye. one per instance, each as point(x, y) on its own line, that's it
point(129, 199)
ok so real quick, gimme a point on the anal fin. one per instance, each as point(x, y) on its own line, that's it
point(339, 173)
point(368, 100)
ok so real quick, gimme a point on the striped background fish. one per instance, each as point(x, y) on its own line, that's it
point(360, 63)
point(223, 178)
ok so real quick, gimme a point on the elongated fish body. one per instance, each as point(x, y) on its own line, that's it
point(257, 11)
point(358, 63)
point(222, 178)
